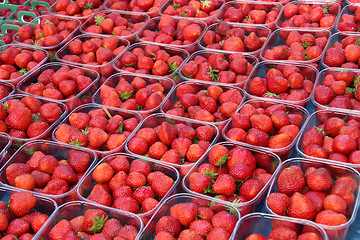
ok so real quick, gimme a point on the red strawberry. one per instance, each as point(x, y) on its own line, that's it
point(290, 180)
point(278, 203)
point(224, 185)
point(186, 213)
point(301, 206)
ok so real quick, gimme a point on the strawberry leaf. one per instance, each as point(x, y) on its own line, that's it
point(176, 77)
point(98, 223)
point(23, 71)
point(48, 22)
point(88, 6)
point(210, 173)
point(29, 151)
point(99, 20)
point(85, 131)
point(184, 14)
point(196, 140)
point(5, 106)
point(76, 143)
point(320, 130)
point(154, 56)
point(18, 143)
point(325, 8)
point(222, 160)
point(305, 44)
point(350, 90)
point(270, 94)
point(41, 34)
point(221, 42)
point(214, 74)
point(357, 42)
point(125, 95)
point(138, 107)
point(187, 75)
point(176, 5)
point(173, 66)
point(356, 80)
point(172, 122)
point(120, 128)
point(130, 65)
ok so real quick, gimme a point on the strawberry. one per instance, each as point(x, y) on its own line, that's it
point(128, 204)
point(168, 224)
point(60, 229)
point(301, 207)
point(198, 182)
point(330, 218)
point(103, 173)
point(162, 185)
point(218, 155)
point(290, 180)
point(319, 180)
point(224, 185)
point(21, 203)
point(282, 233)
point(186, 213)
point(94, 220)
point(224, 220)
point(278, 203)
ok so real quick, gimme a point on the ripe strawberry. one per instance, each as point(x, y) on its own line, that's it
point(21, 203)
point(319, 180)
point(199, 183)
point(278, 203)
point(103, 173)
point(330, 218)
point(94, 220)
point(168, 224)
point(218, 155)
point(162, 185)
point(301, 207)
point(290, 181)
point(186, 213)
point(128, 204)
point(224, 220)
point(224, 185)
point(282, 233)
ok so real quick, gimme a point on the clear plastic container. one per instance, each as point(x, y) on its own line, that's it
point(333, 232)
point(132, 17)
point(113, 81)
point(33, 78)
point(261, 31)
point(15, 81)
point(208, 20)
point(349, 10)
point(52, 10)
point(37, 21)
point(319, 82)
point(263, 223)
point(18, 142)
point(206, 53)
point(59, 151)
point(43, 205)
point(87, 183)
point(172, 51)
point(318, 118)
point(155, 120)
point(246, 207)
point(355, 2)
point(165, 106)
point(72, 210)
point(309, 72)
point(4, 146)
point(285, 152)
point(312, 4)
point(152, 11)
point(153, 25)
point(164, 210)
point(267, 6)
point(104, 69)
point(9, 88)
point(112, 111)
point(277, 38)
point(337, 37)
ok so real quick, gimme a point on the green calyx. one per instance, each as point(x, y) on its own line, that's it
point(88, 6)
point(75, 143)
point(126, 95)
point(120, 128)
point(23, 71)
point(99, 20)
point(98, 223)
point(222, 160)
point(214, 74)
point(173, 66)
